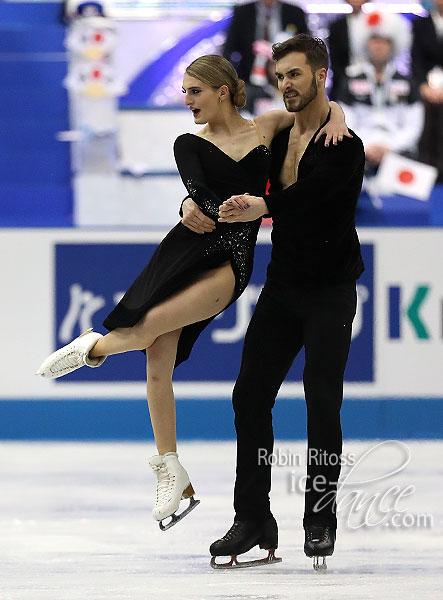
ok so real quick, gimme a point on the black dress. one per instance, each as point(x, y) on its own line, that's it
point(210, 177)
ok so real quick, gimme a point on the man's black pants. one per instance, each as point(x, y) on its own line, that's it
point(283, 322)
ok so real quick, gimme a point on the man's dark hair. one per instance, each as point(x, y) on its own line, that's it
point(314, 48)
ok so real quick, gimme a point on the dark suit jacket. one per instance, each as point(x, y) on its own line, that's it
point(241, 33)
point(339, 54)
point(427, 48)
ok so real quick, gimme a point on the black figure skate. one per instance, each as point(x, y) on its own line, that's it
point(243, 536)
point(319, 543)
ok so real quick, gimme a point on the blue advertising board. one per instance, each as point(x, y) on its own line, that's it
point(91, 278)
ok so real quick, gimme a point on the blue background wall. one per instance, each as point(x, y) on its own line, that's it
point(35, 184)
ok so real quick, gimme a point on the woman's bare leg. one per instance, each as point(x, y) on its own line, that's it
point(159, 367)
point(202, 299)
point(173, 483)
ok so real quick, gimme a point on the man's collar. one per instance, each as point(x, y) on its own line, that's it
point(328, 118)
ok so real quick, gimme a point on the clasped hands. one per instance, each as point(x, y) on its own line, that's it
point(242, 208)
point(235, 209)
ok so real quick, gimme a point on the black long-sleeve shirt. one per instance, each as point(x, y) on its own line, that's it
point(427, 48)
point(314, 241)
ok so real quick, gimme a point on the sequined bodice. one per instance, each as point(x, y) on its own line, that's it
point(226, 177)
point(211, 176)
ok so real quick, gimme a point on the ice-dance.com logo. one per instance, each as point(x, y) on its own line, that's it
point(314, 456)
point(372, 490)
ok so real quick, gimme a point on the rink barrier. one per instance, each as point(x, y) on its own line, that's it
point(203, 419)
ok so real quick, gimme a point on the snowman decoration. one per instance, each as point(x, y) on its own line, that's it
point(93, 85)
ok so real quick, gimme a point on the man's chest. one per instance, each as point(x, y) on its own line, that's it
point(297, 145)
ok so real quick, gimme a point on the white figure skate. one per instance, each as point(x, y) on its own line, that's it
point(173, 485)
point(71, 357)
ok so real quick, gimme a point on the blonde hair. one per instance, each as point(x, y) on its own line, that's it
point(216, 71)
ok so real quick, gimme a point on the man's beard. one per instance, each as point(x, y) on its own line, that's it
point(304, 100)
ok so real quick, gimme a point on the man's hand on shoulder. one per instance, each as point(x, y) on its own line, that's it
point(194, 219)
point(334, 132)
point(241, 209)
point(336, 128)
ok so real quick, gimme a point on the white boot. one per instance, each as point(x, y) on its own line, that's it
point(173, 485)
point(71, 357)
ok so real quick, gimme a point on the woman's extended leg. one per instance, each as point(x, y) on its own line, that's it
point(206, 297)
point(202, 299)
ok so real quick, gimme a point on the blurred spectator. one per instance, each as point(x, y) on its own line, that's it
point(348, 37)
point(381, 104)
point(342, 44)
point(254, 28)
point(427, 69)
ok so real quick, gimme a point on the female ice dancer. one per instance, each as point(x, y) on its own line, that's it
point(190, 278)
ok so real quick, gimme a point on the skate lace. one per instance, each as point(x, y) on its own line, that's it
point(67, 362)
point(232, 533)
point(318, 534)
point(165, 483)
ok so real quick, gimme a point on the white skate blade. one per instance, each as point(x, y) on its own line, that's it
point(193, 503)
point(271, 559)
point(319, 567)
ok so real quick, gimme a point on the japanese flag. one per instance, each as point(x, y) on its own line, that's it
point(400, 175)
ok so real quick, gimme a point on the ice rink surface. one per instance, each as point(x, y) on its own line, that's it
point(76, 524)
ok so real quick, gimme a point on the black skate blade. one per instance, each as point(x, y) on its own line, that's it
point(193, 503)
point(319, 567)
point(235, 564)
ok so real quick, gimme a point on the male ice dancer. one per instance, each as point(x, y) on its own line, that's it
point(309, 301)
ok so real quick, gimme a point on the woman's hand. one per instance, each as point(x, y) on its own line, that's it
point(336, 127)
point(194, 219)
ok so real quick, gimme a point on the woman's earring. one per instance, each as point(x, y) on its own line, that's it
point(219, 99)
